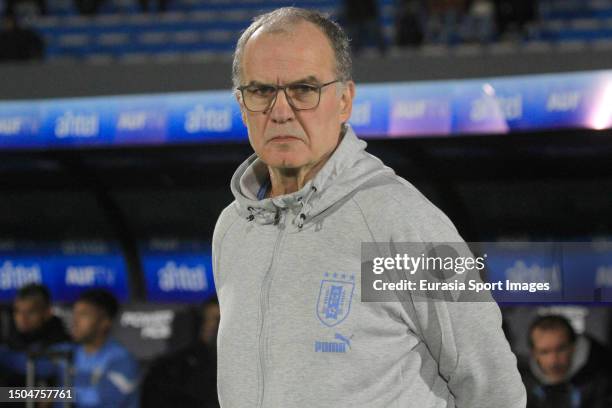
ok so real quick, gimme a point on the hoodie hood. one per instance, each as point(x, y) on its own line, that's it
point(579, 359)
point(348, 167)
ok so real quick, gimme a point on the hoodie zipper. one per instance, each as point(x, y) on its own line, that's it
point(264, 305)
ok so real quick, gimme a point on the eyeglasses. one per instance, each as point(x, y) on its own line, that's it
point(301, 96)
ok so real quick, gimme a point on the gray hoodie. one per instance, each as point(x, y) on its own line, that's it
point(287, 339)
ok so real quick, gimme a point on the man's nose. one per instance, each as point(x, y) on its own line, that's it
point(557, 358)
point(281, 110)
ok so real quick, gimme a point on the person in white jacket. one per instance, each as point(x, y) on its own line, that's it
point(294, 331)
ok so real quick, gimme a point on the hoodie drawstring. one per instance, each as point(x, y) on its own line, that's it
point(299, 220)
point(303, 202)
point(254, 212)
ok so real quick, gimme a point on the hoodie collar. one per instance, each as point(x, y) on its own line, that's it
point(329, 185)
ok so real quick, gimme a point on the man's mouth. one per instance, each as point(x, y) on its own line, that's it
point(284, 138)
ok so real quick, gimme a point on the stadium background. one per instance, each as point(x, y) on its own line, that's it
point(131, 209)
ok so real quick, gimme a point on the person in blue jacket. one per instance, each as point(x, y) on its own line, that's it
point(105, 373)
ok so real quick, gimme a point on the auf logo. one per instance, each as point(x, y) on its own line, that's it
point(88, 275)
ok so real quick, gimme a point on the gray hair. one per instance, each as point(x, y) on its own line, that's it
point(280, 20)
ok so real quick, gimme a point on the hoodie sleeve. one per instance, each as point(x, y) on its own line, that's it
point(226, 219)
point(465, 338)
point(473, 356)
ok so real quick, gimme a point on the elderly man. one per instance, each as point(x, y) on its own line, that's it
point(305, 201)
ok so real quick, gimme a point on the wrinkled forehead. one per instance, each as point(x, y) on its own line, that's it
point(288, 55)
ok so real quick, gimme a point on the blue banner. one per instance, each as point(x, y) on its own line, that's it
point(525, 263)
point(177, 271)
point(66, 269)
point(388, 110)
point(587, 271)
point(576, 272)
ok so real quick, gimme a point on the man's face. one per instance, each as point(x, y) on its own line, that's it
point(30, 314)
point(553, 351)
point(87, 322)
point(281, 137)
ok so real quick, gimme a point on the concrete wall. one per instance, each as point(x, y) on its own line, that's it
point(25, 81)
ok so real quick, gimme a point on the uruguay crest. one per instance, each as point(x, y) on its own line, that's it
point(335, 295)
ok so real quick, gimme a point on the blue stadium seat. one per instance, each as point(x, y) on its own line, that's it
point(189, 26)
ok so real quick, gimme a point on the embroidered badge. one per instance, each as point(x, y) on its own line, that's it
point(335, 295)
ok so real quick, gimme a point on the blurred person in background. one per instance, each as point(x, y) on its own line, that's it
point(35, 324)
point(35, 329)
point(12, 7)
point(409, 23)
point(479, 22)
point(105, 373)
point(444, 18)
point(362, 21)
point(566, 370)
point(18, 43)
point(187, 377)
point(88, 7)
point(512, 17)
point(162, 5)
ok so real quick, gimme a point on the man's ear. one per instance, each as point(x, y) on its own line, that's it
point(346, 101)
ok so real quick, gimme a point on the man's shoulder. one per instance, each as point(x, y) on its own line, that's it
point(390, 200)
point(228, 214)
point(227, 217)
point(389, 191)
